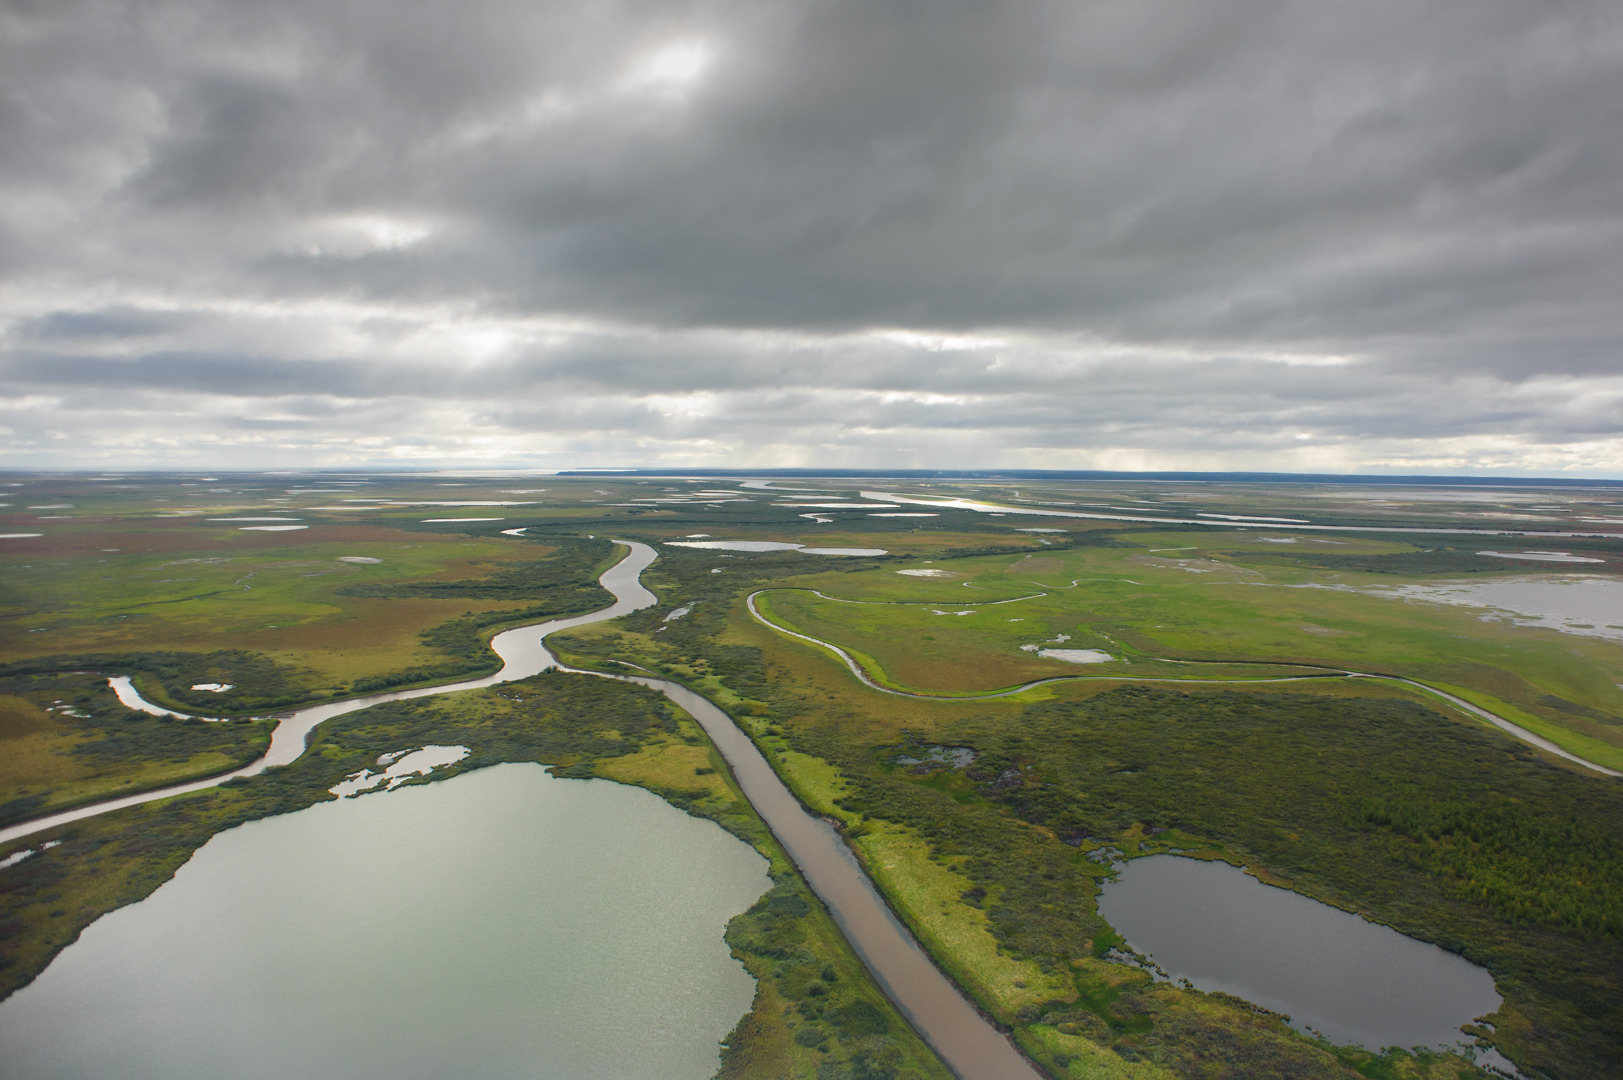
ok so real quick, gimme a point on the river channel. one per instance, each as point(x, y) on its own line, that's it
point(965, 1040)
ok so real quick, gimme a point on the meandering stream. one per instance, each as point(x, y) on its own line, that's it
point(965, 1040)
point(1508, 727)
point(521, 651)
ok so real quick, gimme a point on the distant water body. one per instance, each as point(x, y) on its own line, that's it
point(1587, 606)
point(502, 923)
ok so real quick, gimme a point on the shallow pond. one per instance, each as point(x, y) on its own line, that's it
point(502, 923)
point(1355, 982)
point(1590, 606)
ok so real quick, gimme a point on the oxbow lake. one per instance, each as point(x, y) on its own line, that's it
point(502, 923)
point(1355, 982)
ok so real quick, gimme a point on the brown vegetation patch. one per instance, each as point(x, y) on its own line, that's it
point(186, 535)
point(19, 717)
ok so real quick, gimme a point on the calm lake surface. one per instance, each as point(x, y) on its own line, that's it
point(1355, 982)
point(502, 923)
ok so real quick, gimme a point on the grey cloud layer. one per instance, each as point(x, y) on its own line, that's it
point(1252, 234)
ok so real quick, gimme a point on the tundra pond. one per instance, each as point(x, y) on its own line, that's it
point(1355, 982)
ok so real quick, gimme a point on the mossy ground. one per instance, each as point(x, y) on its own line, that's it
point(1202, 615)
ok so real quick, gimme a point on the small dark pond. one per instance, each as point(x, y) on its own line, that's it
point(956, 757)
point(1354, 982)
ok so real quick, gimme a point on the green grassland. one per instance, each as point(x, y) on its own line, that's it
point(816, 1013)
point(1199, 613)
point(305, 627)
point(317, 624)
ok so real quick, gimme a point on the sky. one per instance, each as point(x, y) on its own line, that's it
point(1130, 234)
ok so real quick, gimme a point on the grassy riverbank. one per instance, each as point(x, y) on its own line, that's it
point(66, 740)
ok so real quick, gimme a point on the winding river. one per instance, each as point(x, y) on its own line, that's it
point(521, 651)
point(964, 1039)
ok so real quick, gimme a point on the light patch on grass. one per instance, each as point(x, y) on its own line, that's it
point(1088, 1058)
point(930, 897)
point(669, 766)
point(816, 783)
point(1200, 623)
point(44, 763)
point(19, 717)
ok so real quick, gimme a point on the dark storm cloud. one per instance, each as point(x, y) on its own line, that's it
point(1259, 233)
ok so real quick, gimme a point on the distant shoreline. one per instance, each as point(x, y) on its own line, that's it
point(1171, 477)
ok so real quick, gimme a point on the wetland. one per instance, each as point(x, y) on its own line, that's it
point(1210, 721)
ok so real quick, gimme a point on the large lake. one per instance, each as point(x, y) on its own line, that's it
point(503, 923)
point(1355, 982)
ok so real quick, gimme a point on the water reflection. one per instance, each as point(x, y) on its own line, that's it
point(1355, 982)
point(503, 923)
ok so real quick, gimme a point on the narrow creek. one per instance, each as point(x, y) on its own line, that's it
point(964, 1039)
point(521, 651)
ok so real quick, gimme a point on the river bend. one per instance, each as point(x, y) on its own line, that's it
point(965, 1040)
